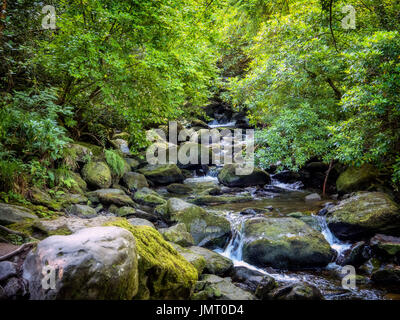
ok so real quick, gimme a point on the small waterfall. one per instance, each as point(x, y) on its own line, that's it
point(216, 124)
point(287, 186)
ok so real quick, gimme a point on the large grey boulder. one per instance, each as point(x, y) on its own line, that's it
point(94, 263)
point(10, 214)
point(364, 214)
point(163, 174)
point(285, 243)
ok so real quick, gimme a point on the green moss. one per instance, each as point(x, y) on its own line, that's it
point(354, 179)
point(163, 272)
point(210, 200)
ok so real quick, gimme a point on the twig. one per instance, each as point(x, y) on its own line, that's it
point(19, 250)
point(17, 233)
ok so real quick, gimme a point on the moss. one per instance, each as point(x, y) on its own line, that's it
point(163, 272)
point(354, 179)
point(148, 197)
point(210, 200)
point(32, 228)
point(98, 174)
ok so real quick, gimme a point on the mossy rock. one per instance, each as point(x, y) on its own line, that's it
point(215, 200)
point(162, 174)
point(10, 214)
point(96, 152)
point(134, 180)
point(179, 188)
point(148, 197)
point(42, 198)
point(284, 243)
point(356, 179)
point(197, 260)
point(133, 163)
point(178, 234)
point(82, 211)
point(97, 175)
point(364, 214)
point(215, 263)
point(115, 197)
point(79, 152)
point(230, 178)
point(163, 272)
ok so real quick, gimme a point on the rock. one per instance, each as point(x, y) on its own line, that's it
point(195, 259)
point(252, 211)
point(364, 214)
point(387, 248)
point(79, 153)
point(7, 270)
point(356, 179)
point(207, 229)
point(215, 200)
point(148, 197)
point(354, 256)
point(140, 222)
point(287, 176)
point(179, 188)
point(94, 263)
point(78, 185)
point(284, 243)
point(42, 198)
point(229, 178)
point(311, 220)
point(215, 263)
point(199, 123)
point(255, 281)
point(97, 175)
point(388, 276)
point(163, 273)
point(10, 214)
point(82, 211)
point(69, 199)
point(133, 163)
point(125, 211)
point(178, 234)
point(111, 196)
point(297, 291)
point(121, 145)
point(135, 181)
point(212, 287)
point(14, 289)
point(163, 174)
point(313, 197)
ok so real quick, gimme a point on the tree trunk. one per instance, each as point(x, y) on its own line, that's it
point(3, 9)
point(326, 178)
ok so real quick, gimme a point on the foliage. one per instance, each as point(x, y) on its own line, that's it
point(115, 162)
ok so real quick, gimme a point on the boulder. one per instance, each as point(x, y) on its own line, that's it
point(356, 179)
point(148, 197)
point(79, 153)
point(215, 200)
point(163, 174)
point(94, 263)
point(311, 220)
point(179, 188)
point(313, 197)
point(387, 276)
point(42, 198)
point(215, 263)
point(212, 287)
point(97, 175)
point(207, 229)
point(355, 255)
point(122, 146)
point(133, 163)
point(10, 214)
point(255, 281)
point(135, 181)
point(296, 291)
point(7, 270)
point(387, 248)
point(229, 178)
point(163, 272)
point(195, 259)
point(78, 185)
point(140, 222)
point(284, 243)
point(111, 196)
point(178, 234)
point(364, 214)
point(82, 211)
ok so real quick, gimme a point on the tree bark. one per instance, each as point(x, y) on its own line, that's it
point(326, 178)
point(3, 9)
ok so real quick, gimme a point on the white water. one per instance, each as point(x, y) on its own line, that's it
point(287, 186)
point(336, 244)
point(216, 124)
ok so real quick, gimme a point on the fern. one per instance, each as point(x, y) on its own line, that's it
point(115, 162)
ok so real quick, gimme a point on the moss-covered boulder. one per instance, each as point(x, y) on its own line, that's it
point(148, 197)
point(207, 228)
point(135, 181)
point(140, 222)
point(388, 277)
point(42, 198)
point(296, 291)
point(79, 152)
point(78, 185)
point(94, 263)
point(97, 175)
point(284, 243)
point(195, 259)
point(179, 188)
point(230, 178)
point(163, 272)
point(215, 200)
point(386, 247)
point(163, 174)
point(215, 263)
point(133, 163)
point(178, 234)
point(356, 179)
point(364, 214)
point(121, 145)
point(111, 196)
point(82, 211)
point(10, 214)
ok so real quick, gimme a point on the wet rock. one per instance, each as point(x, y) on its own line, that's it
point(284, 243)
point(287, 176)
point(313, 197)
point(199, 123)
point(140, 222)
point(197, 260)
point(385, 247)
point(212, 287)
point(78, 185)
point(355, 179)
point(215, 263)
point(134, 164)
point(94, 263)
point(121, 145)
point(364, 214)
point(215, 200)
point(79, 153)
point(116, 197)
point(135, 181)
point(253, 211)
point(42, 198)
point(10, 214)
point(148, 197)
point(354, 256)
point(163, 174)
point(312, 221)
point(7, 270)
point(230, 178)
point(388, 276)
point(14, 289)
point(97, 175)
point(178, 234)
point(82, 211)
point(254, 281)
point(179, 188)
point(297, 291)
point(207, 228)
